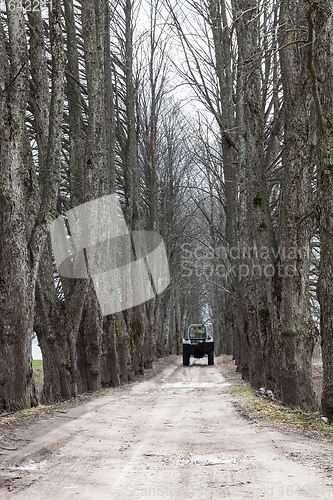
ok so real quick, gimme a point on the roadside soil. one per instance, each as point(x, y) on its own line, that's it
point(178, 432)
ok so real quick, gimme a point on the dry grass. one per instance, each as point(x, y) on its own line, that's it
point(252, 402)
point(229, 371)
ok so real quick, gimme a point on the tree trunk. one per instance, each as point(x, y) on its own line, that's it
point(56, 323)
point(49, 324)
point(96, 182)
point(320, 53)
point(291, 368)
point(89, 345)
point(125, 346)
point(255, 228)
point(110, 372)
point(19, 257)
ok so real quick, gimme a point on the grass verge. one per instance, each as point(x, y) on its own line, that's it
point(276, 411)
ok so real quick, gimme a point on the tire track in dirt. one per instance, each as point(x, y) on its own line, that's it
point(176, 435)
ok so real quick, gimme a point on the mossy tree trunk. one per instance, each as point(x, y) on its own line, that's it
point(294, 340)
point(28, 201)
point(96, 182)
point(320, 56)
point(110, 370)
point(56, 323)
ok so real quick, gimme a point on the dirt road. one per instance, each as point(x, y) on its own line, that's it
point(176, 435)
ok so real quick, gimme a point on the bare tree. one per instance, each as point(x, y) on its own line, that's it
point(59, 309)
point(22, 238)
point(320, 19)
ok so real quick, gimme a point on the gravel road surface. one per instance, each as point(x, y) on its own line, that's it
point(175, 435)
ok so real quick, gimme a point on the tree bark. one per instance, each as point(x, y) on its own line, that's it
point(110, 372)
point(320, 53)
point(294, 343)
point(96, 182)
point(20, 254)
point(56, 323)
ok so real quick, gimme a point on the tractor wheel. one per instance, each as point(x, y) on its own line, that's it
point(211, 358)
point(186, 358)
